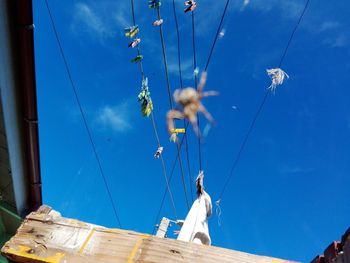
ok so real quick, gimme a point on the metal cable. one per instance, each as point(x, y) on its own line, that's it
point(195, 86)
point(181, 86)
point(83, 115)
point(261, 106)
point(170, 177)
point(168, 189)
point(137, 48)
point(293, 33)
point(165, 60)
point(171, 105)
point(235, 163)
point(206, 68)
point(216, 35)
point(167, 183)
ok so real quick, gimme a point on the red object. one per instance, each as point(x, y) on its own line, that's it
point(318, 259)
point(332, 251)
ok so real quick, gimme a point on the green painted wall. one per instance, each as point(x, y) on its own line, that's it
point(9, 222)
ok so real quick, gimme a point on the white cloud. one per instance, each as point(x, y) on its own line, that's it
point(101, 20)
point(339, 41)
point(336, 35)
point(114, 117)
point(287, 8)
point(295, 170)
point(122, 15)
point(207, 17)
point(87, 20)
point(246, 2)
point(329, 25)
point(186, 67)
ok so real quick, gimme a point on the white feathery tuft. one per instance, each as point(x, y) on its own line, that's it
point(277, 76)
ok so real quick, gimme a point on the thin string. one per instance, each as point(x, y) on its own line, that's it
point(171, 105)
point(195, 86)
point(181, 86)
point(261, 106)
point(82, 113)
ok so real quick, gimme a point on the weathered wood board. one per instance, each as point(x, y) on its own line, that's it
point(45, 236)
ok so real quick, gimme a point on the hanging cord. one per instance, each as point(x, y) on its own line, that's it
point(218, 211)
point(293, 33)
point(188, 165)
point(181, 86)
point(171, 106)
point(165, 59)
point(216, 35)
point(214, 42)
point(206, 67)
point(167, 182)
point(195, 86)
point(83, 115)
point(137, 48)
point(164, 169)
point(170, 177)
point(261, 106)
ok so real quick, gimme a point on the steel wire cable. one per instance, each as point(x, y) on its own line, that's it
point(181, 86)
point(261, 106)
point(137, 48)
point(195, 86)
point(82, 113)
point(216, 35)
point(165, 192)
point(168, 189)
point(171, 105)
point(206, 68)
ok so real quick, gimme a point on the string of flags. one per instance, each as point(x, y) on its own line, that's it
point(132, 32)
point(155, 4)
point(144, 97)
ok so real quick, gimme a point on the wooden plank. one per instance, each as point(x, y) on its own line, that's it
point(45, 236)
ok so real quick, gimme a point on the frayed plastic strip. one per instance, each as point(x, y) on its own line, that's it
point(218, 211)
point(277, 76)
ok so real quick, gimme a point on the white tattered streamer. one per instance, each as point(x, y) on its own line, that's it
point(277, 76)
point(218, 211)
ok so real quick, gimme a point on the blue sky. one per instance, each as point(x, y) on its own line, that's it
point(289, 195)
